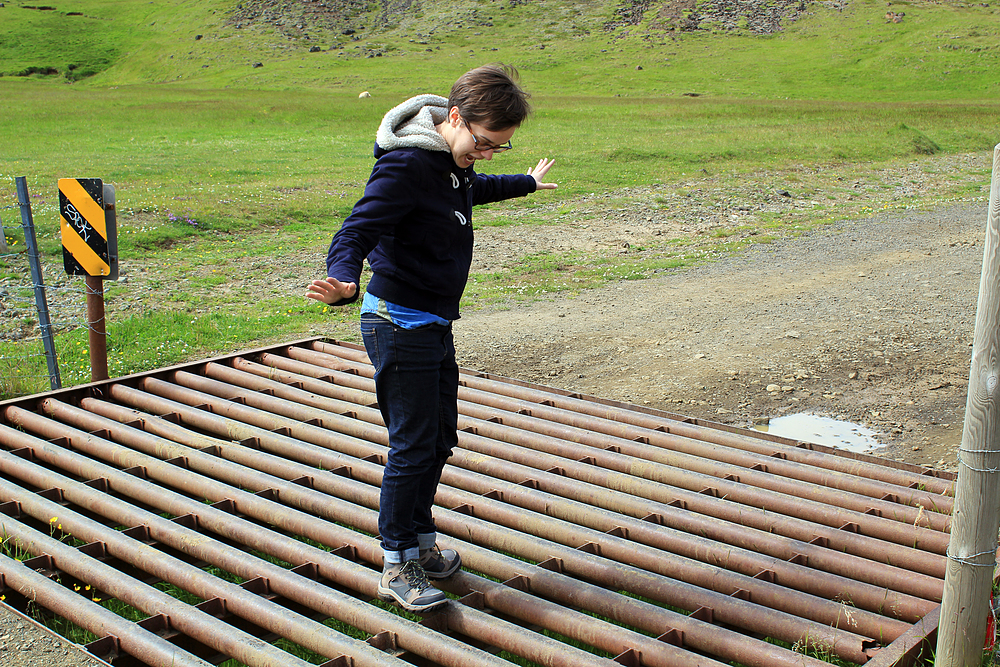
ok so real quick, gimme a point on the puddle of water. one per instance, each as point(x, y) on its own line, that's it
point(824, 431)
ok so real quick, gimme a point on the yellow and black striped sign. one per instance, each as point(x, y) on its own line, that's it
point(84, 227)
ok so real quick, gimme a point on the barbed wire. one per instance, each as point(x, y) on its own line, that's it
point(15, 368)
point(968, 560)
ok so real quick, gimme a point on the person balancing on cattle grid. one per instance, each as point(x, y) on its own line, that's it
point(414, 225)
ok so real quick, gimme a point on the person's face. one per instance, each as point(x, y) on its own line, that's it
point(472, 141)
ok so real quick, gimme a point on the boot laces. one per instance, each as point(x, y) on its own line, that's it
point(414, 575)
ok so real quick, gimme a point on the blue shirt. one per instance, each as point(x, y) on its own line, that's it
point(401, 316)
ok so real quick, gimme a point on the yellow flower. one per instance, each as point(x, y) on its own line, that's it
point(53, 519)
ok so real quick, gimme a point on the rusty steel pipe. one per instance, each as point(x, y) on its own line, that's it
point(371, 523)
point(900, 533)
point(815, 582)
point(661, 441)
point(509, 425)
point(511, 638)
point(797, 593)
point(268, 406)
point(236, 599)
point(360, 447)
point(679, 425)
point(683, 426)
point(129, 638)
point(622, 456)
point(315, 636)
point(194, 623)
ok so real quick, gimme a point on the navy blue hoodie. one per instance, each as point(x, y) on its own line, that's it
point(414, 225)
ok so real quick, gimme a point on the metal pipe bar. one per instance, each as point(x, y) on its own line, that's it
point(806, 532)
point(548, 580)
point(816, 582)
point(269, 406)
point(530, 645)
point(616, 446)
point(187, 619)
point(778, 623)
point(237, 600)
point(129, 638)
point(239, 472)
point(774, 474)
point(507, 599)
point(577, 403)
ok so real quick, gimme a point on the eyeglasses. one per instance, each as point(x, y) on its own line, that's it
point(482, 145)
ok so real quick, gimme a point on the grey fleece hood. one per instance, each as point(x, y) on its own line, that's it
point(411, 124)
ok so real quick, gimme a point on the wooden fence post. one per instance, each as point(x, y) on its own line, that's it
point(973, 546)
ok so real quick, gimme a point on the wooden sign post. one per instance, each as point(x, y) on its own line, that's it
point(976, 516)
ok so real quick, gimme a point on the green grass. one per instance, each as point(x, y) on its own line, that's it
point(226, 172)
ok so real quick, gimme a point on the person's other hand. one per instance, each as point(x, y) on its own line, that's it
point(538, 173)
point(331, 291)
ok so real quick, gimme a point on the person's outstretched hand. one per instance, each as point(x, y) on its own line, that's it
point(331, 291)
point(538, 173)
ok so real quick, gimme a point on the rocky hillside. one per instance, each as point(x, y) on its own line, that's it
point(308, 18)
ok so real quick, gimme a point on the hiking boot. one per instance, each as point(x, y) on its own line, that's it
point(406, 583)
point(439, 564)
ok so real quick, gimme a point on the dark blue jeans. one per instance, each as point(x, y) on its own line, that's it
point(416, 384)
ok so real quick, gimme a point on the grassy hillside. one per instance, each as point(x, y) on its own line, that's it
point(233, 131)
point(831, 50)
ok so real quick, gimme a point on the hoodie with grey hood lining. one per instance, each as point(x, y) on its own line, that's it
point(414, 221)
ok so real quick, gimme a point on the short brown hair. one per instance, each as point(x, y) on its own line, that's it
point(490, 95)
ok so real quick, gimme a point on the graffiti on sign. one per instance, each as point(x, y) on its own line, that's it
point(89, 246)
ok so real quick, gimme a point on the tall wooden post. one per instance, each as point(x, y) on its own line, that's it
point(97, 336)
point(973, 546)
